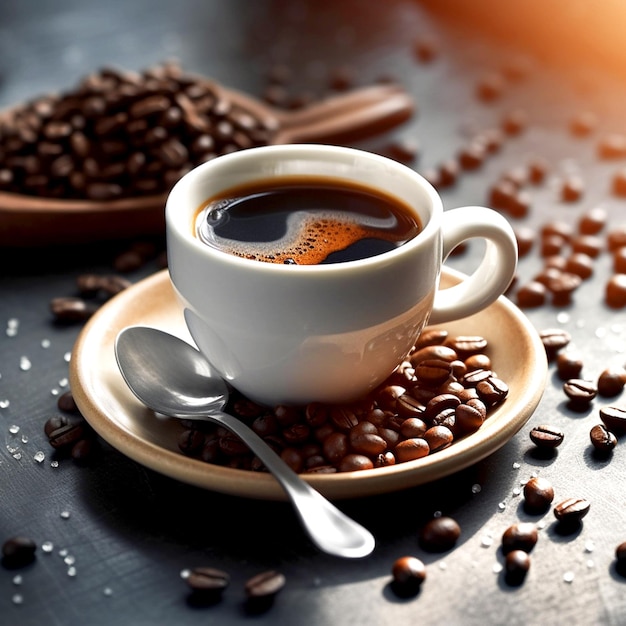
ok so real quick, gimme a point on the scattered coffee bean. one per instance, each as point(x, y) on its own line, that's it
point(614, 418)
point(54, 423)
point(520, 536)
point(611, 381)
point(602, 439)
point(583, 124)
point(612, 146)
point(546, 437)
point(616, 237)
point(615, 292)
point(569, 364)
point(440, 534)
point(580, 393)
point(18, 551)
point(618, 185)
point(538, 495)
point(69, 310)
point(515, 122)
point(619, 260)
point(572, 189)
point(207, 584)
point(408, 573)
point(261, 590)
point(66, 403)
point(554, 340)
point(593, 221)
point(516, 566)
point(571, 510)
point(532, 295)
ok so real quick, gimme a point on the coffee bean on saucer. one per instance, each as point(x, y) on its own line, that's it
point(546, 437)
point(440, 534)
point(516, 566)
point(602, 439)
point(538, 495)
point(18, 551)
point(408, 573)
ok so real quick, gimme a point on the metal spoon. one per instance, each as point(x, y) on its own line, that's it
point(172, 378)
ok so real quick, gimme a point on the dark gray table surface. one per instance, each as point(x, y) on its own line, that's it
point(122, 534)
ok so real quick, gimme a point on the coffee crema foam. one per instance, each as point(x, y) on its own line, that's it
point(332, 223)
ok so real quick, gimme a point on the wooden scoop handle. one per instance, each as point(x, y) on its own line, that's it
point(347, 117)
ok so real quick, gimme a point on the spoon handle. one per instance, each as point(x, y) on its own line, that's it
point(330, 529)
point(347, 117)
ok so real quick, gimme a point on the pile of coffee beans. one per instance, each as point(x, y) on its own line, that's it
point(121, 134)
point(443, 391)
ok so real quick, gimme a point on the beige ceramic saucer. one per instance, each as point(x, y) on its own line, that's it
point(119, 418)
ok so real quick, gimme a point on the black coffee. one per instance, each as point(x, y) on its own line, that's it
point(305, 221)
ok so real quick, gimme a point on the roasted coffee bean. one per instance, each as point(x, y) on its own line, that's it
point(207, 583)
point(580, 264)
point(84, 450)
point(611, 381)
point(335, 447)
point(70, 310)
point(602, 439)
point(66, 403)
point(554, 340)
point(612, 146)
point(531, 295)
point(365, 441)
point(490, 87)
point(583, 124)
point(515, 122)
point(562, 288)
point(438, 437)
point(440, 534)
point(467, 345)
point(572, 188)
point(316, 414)
point(433, 353)
point(619, 260)
point(355, 462)
point(18, 551)
point(516, 566)
point(411, 449)
point(413, 427)
point(408, 573)
point(433, 372)
point(492, 391)
point(476, 362)
point(614, 418)
point(191, 441)
point(580, 393)
point(618, 185)
point(293, 457)
point(468, 418)
point(615, 292)
point(546, 436)
point(538, 495)
point(431, 337)
point(385, 460)
point(520, 536)
point(475, 377)
point(404, 150)
point(569, 364)
point(616, 238)
point(409, 406)
point(525, 238)
point(67, 435)
point(54, 423)
point(266, 583)
point(593, 221)
point(440, 403)
point(571, 510)
point(538, 169)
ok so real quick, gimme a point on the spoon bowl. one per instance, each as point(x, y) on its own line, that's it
point(172, 378)
point(27, 220)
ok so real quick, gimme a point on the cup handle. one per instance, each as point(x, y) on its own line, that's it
point(495, 271)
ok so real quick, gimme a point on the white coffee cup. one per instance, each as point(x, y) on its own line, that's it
point(293, 334)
